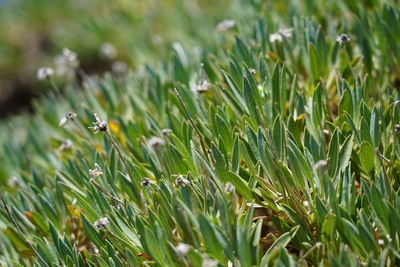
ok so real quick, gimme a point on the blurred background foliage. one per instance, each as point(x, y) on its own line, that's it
point(33, 32)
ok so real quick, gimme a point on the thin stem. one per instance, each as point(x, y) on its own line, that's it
point(14, 222)
point(92, 181)
point(55, 88)
point(118, 150)
point(203, 147)
point(316, 246)
point(349, 62)
point(384, 171)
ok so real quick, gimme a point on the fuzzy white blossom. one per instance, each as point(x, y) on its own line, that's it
point(202, 86)
point(226, 25)
point(181, 181)
point(261, 91)
point(101, 223)
point(14, 181)
point(66, 145)
point(98, 125)
point(147, 182)
point(67, 117)
point(44, 73)
point(282, 33)
point(156, 143)
point(96, 172)
point(207, 262)
point(321, 164)
point(66, 63)
point(183, 249)
point(343, 39)
point(119, 67)
point(229, 188)
point(166, 132)
point(108, 51)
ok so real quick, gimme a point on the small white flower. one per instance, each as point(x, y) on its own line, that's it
point(156, 143)
point(282, 33)
point(207, 262)
point(14, 181)
point(202, 86)
point(381, 242)
point(389, 238)
point(66, 63)
point(96, 172)
point(261, 91)
point(229, 188)
point(147, 182)
point(275, 37)
point(181, 181)
point(343, 39)
point(98, 125)
point(108, 51)
point(397, 128)
point(101, 223)
point(119, 67)
point(322, 164)
point(96, 250)
point(226, 25)
point(66, 145)
point(166, 132)
point(183, 249)
point(70, 58)
point(67, 117)
point(44, 73)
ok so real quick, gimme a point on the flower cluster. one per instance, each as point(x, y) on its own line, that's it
point(202, 86)
point(229, 188)
point(181, 181)
point(166, 132)
point(397, 128)
point(147, 182)
point(66, 63)
point(343, 39)
point(101, 223)
point(96, 172)
point(156, 143)
point(98, 125)
point(67, 117)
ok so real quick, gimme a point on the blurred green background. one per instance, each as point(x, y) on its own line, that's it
point(33, 32)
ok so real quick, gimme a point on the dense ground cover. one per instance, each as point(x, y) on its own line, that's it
point(276, 143)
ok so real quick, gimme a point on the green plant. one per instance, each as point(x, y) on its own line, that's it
point(250, 153)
